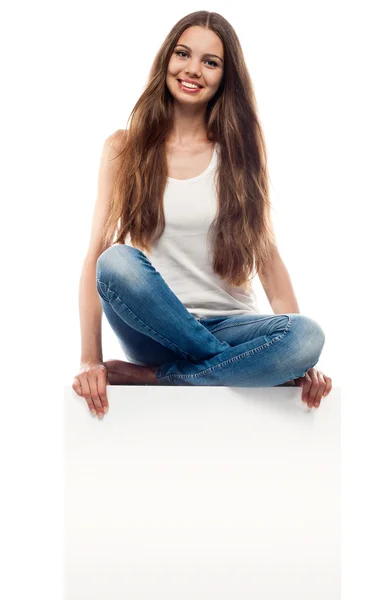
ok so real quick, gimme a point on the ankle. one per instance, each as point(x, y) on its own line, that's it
point(152, 374)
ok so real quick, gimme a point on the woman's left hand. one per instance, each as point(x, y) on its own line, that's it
point(315, 384)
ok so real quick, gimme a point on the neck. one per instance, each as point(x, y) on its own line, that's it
point(188, 126)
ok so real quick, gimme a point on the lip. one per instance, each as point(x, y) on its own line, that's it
point(191, 81)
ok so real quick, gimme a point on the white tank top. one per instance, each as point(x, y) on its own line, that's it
point(183, 256)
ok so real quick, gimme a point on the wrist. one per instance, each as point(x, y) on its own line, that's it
point(91, 359)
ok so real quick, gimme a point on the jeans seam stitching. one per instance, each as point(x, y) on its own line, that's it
point(230, 360)
point(233, 325)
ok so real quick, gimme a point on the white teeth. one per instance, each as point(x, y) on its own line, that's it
point(191, 85)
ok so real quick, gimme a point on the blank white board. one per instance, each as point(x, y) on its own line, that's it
point(202, 493)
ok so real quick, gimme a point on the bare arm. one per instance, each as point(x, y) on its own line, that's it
point(90, 313)
point(278, 287)
point(90, 309)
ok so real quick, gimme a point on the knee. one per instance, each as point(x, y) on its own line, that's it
point(115, 261)
point(310, 340)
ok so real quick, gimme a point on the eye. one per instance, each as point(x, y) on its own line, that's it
point(178, 52)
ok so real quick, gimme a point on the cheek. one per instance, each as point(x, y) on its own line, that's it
point(219, 80)
point(214, 81)
point(174, 66)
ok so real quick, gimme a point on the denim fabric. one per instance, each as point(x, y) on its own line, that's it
point(154, 328)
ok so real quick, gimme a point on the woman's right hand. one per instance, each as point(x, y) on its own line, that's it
point(90, 383)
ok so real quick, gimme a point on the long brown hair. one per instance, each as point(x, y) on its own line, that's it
point(241, 233)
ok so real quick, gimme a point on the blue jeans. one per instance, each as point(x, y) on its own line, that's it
point(155, 329)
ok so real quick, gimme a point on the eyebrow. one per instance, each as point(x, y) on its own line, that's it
point(207, 54)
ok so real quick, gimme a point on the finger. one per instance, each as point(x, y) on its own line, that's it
point(76, 386)
point(101, 383)
point(314, 388)
point(322, 387)
point(87, 394)
point(306, 385)
point(92, 380)
point(328, 385)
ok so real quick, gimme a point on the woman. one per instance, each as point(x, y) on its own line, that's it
point(185, 188)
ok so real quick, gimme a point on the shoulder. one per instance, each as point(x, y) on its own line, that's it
point(116, 141)
point(113, 146)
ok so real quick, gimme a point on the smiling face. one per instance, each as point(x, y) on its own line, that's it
point(198, 56)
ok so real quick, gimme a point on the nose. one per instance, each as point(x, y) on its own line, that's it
point(193, 67)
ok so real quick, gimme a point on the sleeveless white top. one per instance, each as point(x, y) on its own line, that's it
point(183, 256)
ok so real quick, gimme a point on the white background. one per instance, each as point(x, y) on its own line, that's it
point(71, 73)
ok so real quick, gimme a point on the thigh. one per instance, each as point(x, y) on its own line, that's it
point(138, 348)
point(237, 329)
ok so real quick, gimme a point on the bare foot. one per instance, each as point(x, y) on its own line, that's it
point(289, 383)
point(120, 372)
